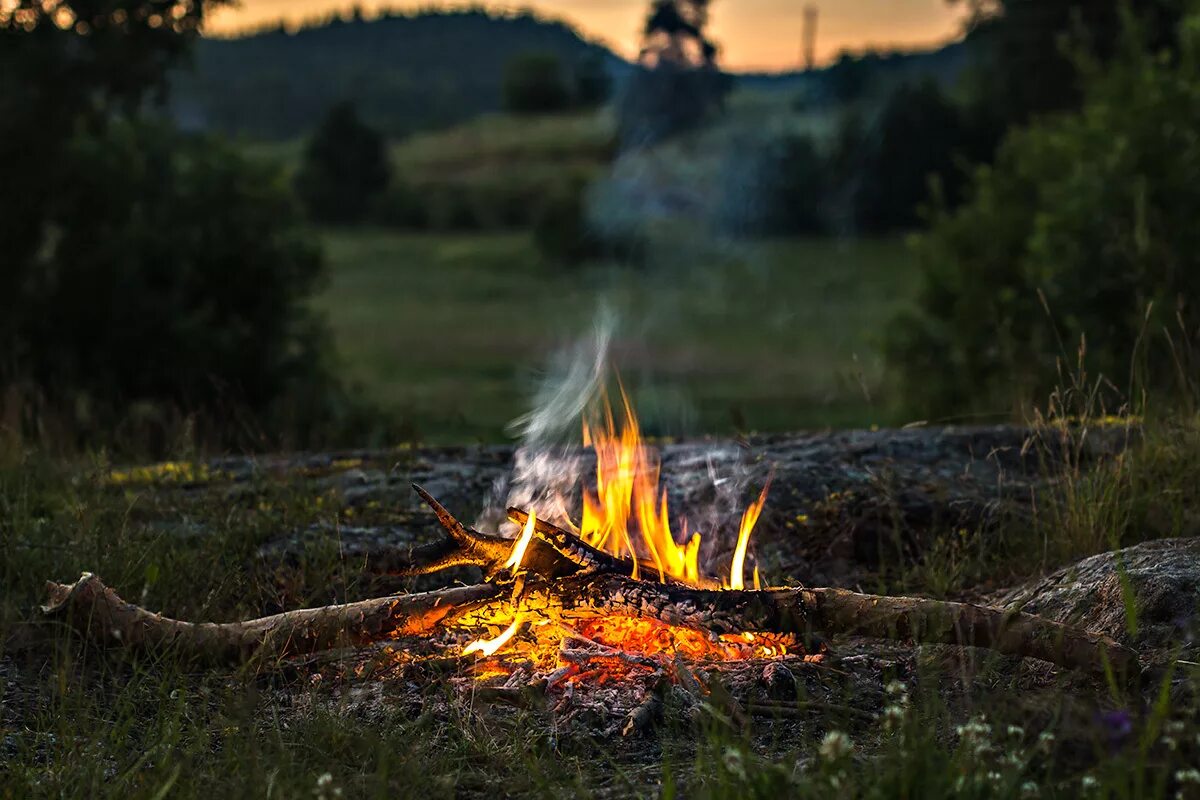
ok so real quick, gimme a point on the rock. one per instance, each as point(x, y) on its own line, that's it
point(779, 681)
point(1162, 580)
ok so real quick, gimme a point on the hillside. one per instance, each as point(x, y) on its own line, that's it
point(405, 72)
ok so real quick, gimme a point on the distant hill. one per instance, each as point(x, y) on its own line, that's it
point(405, 72)
point(944, 64)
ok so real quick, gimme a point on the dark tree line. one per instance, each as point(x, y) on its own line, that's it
point(146, 272)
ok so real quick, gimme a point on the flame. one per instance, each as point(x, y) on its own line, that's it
point(489, 647)
point(749, 518)
point(522, 544)
point(627, 514)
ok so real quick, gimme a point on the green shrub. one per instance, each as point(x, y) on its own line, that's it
point(536, 83)
point(177, 276)
point(915, 147)
point(1096, 212)
point(345, 167)
point(401, 205)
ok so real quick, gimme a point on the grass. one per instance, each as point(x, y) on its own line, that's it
point(494, 148)
point(451, 332)
point(75, 721)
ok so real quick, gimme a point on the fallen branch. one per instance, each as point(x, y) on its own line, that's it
point(99, 613)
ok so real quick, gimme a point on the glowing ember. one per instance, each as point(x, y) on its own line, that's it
point(649, 637)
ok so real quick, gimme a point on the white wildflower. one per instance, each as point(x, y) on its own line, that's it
point(892, 717)
point(975, 728)
point(1088, 782)
point(325, 788)
point(1188, 776)
point(835, 746)
point(1015, 731)
point(1029, 789)
point(735, 763)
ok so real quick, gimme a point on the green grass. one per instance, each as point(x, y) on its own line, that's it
point(493, 148)
point(79, 722)
point(451, 332)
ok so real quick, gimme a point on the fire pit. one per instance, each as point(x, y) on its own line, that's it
point(620, 598)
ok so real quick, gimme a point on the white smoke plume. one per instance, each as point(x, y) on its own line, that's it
point(548, 465)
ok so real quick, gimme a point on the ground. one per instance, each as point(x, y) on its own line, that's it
point(237, 538)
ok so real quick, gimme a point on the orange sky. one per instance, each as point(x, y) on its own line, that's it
point(753, 34)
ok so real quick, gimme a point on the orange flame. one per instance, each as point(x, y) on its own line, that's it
point(627, 514)
point(518, 551)
point(488, 647)
point(749, 518)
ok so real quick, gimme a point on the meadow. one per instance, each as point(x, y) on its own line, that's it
point(453, 332)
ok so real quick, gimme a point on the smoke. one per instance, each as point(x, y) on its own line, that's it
point(575, 377)
point(548, 468)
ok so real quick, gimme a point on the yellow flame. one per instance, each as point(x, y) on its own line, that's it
point(489, 647)
point(522, 544)
point(749, 518)
point(627, 514)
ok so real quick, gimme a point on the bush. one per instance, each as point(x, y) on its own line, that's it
point(561, 229)
point(795, 180)
point(919, 141)
point(345, 167)
point(536, 83)
point(1094, 211)
point(177, 276)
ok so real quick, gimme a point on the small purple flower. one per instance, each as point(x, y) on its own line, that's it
point(1117, 725)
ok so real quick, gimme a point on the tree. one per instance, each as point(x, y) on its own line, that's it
point(536, 83)
point(1084, 227)
point(593, 84)
point(142, 268)
point(1032, 47)
point(677, 85)
point(915, 150)
point(179, 275)
point(345, 168)
point(64, 66)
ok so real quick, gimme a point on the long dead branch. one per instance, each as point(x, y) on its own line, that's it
point(100, 614)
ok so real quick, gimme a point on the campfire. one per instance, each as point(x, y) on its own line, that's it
point(620, 595)
point(625, 515)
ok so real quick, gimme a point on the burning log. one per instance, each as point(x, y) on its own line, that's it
point(558, 578)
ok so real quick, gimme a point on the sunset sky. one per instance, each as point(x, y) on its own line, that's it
point(753, 34)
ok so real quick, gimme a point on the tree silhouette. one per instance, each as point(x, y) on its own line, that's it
point(345, 167)
point(678, 85)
